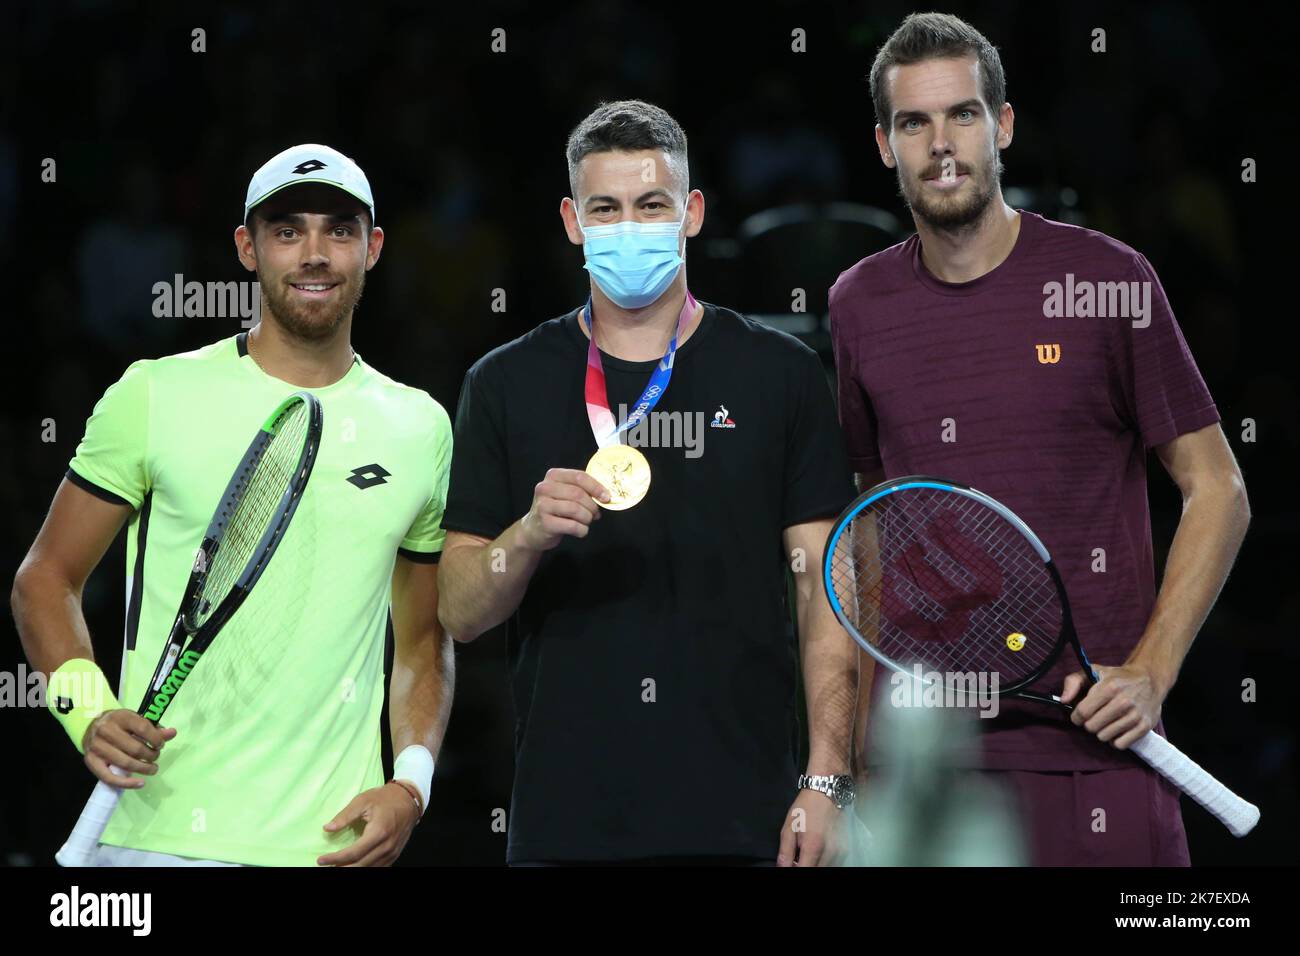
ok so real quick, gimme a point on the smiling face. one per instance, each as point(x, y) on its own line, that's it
point(944, 141)
point(311, 249)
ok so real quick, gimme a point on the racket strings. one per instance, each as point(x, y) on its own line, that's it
point(240, 666)
point(939, 579)
point(257, 503)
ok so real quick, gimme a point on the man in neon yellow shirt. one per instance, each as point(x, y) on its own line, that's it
point(271, 756)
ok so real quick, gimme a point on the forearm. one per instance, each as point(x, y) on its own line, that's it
point(866, 679)
point(866, 664)
point(482, 585)
point(420, 692)
point(48, 614)
point(830, 677)
point(1209, 535)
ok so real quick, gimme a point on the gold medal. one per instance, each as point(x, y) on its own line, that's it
point(624, 472)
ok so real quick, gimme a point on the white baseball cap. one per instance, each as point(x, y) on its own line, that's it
point(309, 163)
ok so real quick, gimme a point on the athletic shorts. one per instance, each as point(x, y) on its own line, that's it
point(1124, 817)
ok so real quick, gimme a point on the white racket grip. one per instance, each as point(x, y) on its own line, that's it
point(84, 838)
point(1238, 815)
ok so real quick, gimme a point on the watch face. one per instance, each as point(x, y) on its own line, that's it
point(842, 788)
point(838, 787)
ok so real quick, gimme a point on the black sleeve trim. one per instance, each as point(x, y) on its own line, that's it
point(137, 580)
point(102, 493)
point(478, 531)
point(420, 557)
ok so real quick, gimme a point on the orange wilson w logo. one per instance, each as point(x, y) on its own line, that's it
point(1048, 354)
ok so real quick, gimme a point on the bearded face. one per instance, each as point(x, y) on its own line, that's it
point(312, 248)
point(953, 194)
point(311, 303)
point(943, 142)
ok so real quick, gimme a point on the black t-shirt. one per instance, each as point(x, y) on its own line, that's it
point(652, 670)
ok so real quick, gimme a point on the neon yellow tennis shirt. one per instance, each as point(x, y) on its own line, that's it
point(278, 725)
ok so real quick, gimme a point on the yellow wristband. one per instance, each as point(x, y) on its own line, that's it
point(77, 693)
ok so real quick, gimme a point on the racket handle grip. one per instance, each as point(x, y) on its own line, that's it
point(82, 842)
point(1238, 815)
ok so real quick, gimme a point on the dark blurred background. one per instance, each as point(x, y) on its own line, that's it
point(155, 144)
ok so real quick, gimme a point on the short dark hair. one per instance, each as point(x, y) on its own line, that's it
point(628, 125)
point(933, 36)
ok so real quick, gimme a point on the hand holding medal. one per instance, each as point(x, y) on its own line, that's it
point(624, 471)
point(617, 477)
point(621, 468)
point(564, 503)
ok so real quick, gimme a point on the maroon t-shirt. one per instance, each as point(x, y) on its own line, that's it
point(1050, 414)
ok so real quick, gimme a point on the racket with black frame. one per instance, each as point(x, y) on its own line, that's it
point(247, 527)
point(930, 575)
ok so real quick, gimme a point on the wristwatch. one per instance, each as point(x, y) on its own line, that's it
point(839, 787)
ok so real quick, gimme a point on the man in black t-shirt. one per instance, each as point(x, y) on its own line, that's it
point(652, 671)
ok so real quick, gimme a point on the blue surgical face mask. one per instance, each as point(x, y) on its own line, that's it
point(634, 263)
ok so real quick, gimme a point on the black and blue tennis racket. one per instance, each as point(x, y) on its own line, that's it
point(924, 571)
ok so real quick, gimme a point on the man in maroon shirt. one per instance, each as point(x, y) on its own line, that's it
point(1038, 362)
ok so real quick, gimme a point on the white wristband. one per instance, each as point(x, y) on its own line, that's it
point(415, 765)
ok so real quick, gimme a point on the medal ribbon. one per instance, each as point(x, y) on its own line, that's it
point(603, 426)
